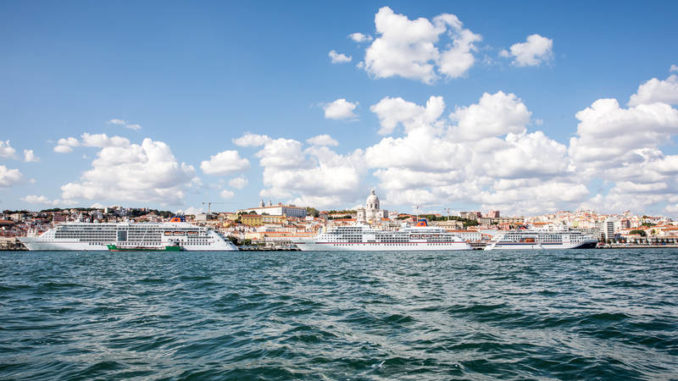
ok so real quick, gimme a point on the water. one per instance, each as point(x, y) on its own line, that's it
point(593, 314)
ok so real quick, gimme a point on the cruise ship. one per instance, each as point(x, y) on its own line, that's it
point(364, 238)
point(84, 236)
point(542, 239)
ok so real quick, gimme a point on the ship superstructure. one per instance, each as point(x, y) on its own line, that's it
point(84, 236)
point(542, 239)
point(364, 238)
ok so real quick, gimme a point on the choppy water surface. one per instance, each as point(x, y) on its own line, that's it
point(606, 314)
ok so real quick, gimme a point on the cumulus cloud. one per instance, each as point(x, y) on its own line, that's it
point(494, 115)
point(657, 91)
point(102, 140)
point(674, 68)
point(238, 182)
point(359, 37)
point(66, 145)
point(487, 157)
point(340, 109)
point(412, 48)
point(397, 111)
point(338, 57)
point(251, 140)
point(9, 177)
point(623, 147)
point(29, 156)
point(314, 175)
point(226, 194)
point(322, 140)
point(146, 172)
point(224, 163)
point(124, 123)
point(534, 51)
point(6, 149)
point(35, 199)
point(609, 135)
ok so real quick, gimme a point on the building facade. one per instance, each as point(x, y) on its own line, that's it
point(372, 211)
point(276, 210)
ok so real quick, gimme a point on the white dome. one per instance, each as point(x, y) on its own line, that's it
point(372, 201)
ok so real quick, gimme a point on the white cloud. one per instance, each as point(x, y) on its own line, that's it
point(338, 57)
point(6, 149)
point(458, 59)
point(359, 37)
point(314, 176)
point(674, 68)
point(238, 182)
point(9, 177)
point(488, 157)
point(251, 140)
point(65, 145)
point(224, 163)
point(535, 50)
point(608, 135)
point(118, 122)
point(124, 123)
point(35, 199)
point(494, 115)
point(394, 111)
point(226, 194)
point(340, 109)
point(102, 140)
point(322, 140)
point(29, 156)
point(282, 153)
point(146, 172)
point(657, 91)
point(408, 48)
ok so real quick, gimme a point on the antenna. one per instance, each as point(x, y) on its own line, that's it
point(209, 205)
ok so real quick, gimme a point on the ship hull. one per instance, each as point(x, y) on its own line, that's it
point(369, 246)
point(55, 244)
point(589, 244)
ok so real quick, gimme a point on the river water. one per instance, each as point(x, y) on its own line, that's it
point(584, 314)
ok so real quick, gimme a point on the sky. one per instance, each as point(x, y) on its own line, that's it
point(526, 107)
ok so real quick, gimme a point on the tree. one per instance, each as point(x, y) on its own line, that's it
point(639, 232)
point(312, 212)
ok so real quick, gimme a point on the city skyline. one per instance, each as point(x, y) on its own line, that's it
point(518, 109)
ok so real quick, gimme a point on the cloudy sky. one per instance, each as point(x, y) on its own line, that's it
point(525, 107)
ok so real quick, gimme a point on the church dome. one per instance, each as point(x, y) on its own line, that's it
point(372, 201)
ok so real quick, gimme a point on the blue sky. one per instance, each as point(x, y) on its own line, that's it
point(197, 76)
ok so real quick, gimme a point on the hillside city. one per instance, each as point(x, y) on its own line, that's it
point(278, 225)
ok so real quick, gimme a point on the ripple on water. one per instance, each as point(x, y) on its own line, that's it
point(604, 314)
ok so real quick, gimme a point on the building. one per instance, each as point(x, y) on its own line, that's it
point(259, 220)
point(371, 212)
point(611, 227)
point(493, 214)
point(276, 210)
point(470, 215)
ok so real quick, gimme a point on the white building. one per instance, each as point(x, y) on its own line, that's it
point(371, 212)
point(277, 210)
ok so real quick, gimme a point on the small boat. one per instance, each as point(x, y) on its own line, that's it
point(115, 248)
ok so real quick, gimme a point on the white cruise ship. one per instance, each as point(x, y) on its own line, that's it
point(542, 239)
point(83, 236)
point(364, 238)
